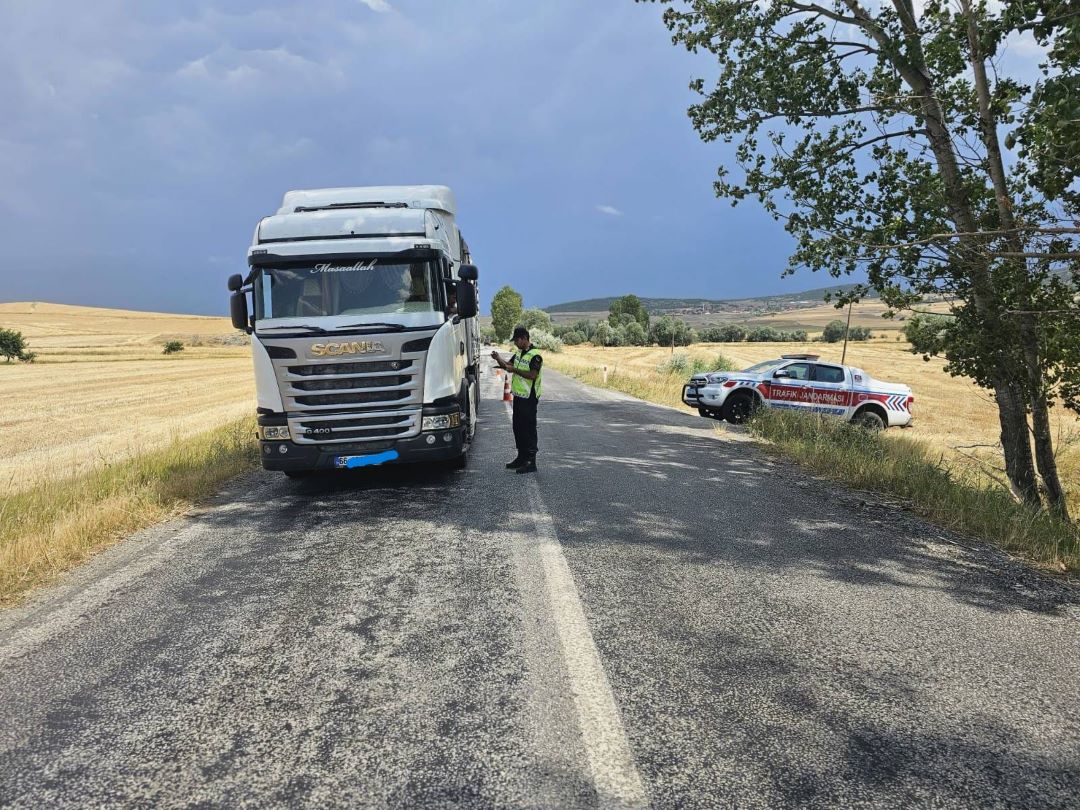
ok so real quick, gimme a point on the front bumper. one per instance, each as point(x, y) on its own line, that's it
point(690, 395)
point(707, 396)
point(428, 446)
point(289, 456)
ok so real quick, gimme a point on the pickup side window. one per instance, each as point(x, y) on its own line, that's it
point(797, 371)
point(828, 374)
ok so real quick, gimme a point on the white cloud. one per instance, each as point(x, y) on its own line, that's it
point(610, 210)
point(377, 5)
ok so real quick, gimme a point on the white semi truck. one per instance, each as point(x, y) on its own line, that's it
point(363, 329)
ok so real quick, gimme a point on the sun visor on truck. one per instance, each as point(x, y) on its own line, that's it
point(261, 257)
point(374, 223)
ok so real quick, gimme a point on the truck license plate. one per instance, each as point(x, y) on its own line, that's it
point(351, 462)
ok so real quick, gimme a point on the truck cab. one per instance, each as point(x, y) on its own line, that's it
point(363, 329)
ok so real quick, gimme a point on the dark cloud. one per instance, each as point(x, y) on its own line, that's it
point(142, 142)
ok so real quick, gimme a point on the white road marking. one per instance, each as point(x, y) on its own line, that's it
point(611, 762)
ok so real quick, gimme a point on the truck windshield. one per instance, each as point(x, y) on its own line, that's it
point(364, 287)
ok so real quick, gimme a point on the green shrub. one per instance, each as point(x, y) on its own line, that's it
point(13, 346)
point(545, 341)
point(172, 347)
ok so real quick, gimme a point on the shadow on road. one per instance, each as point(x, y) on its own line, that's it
point(649, 475)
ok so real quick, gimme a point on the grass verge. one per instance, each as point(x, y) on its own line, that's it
point(898, 466)
point(662, 384)
point(47, 530)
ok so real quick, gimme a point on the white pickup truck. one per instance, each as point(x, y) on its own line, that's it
point(800, 382)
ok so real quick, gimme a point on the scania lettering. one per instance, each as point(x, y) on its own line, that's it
point(801, 382)
point(320, 349)
point(361, 305)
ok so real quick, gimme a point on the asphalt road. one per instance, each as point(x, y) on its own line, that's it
point(661, 617)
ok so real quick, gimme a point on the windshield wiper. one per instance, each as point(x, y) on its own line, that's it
point(384, 327)
point(305, 326)
point(389, 327)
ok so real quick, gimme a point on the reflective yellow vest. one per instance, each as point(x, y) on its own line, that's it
point(519, 385)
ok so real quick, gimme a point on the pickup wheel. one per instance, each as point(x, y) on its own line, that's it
point(870, 420)
point(739, 407)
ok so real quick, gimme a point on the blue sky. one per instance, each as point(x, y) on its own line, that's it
point(141, 142)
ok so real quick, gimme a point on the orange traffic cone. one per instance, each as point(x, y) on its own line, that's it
point(507, 396)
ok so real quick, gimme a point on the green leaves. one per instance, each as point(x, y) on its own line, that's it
point(505, 312)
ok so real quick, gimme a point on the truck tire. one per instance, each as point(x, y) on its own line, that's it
point(868, 419)
point(739, 407)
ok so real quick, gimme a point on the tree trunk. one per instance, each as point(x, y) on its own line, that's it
point(1040, 422)
point(1016, 444)
point(1029, 338)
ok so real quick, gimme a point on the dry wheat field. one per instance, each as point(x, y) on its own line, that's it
point(101, 389)
point(952, 415)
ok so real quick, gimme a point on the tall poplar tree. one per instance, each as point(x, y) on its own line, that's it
point(505, 312)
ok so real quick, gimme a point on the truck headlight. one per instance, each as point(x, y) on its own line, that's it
point(441, 422)
point(274, 432)
point(716, 379)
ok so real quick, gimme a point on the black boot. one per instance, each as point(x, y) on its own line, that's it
point(528, 466)
point(517, 462)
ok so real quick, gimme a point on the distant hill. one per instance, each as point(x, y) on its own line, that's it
point(654, 305)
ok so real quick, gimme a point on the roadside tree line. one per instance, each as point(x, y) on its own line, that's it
point(629, 324)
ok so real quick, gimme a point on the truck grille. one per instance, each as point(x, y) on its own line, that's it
point(347, 383)
point(350, 368)
point(364, 398)
point(364, 428)
point(368, 402)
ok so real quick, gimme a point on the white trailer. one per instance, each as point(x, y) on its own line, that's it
point(363, 329)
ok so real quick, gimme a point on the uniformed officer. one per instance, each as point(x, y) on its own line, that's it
point(525, 384)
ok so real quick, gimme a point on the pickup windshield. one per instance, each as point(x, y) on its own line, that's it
point(363, 287)
point(762, 367)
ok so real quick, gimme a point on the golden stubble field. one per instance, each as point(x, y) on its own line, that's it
point(101, 389)
point(953, 416)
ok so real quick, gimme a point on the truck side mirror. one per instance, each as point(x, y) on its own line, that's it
point(466, 299)
point(239, 311)
point(468, 272)
point(236, 281)
point(782, 375)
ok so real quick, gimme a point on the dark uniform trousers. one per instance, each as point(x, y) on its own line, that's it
point(525, 425)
